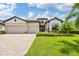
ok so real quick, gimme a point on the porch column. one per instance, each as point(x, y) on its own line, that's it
point(50, 27)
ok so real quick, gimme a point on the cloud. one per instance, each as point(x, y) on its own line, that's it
point(42, 5)
point(6, 10)
point(45, 14)
point(60, 6)
point(30, 14)
point(64, 7)
point(39, 5)
point(2, 6)
point(49, 15)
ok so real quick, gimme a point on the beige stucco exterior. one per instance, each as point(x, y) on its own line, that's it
point(21, 26)
point(18, 26)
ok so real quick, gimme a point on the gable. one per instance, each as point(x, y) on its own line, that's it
point(55, 21)
point(15, 20)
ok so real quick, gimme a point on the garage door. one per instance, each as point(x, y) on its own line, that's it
point(33, 28)
point(15, 29)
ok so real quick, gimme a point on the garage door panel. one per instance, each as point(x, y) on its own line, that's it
point(15, 25)
point(15, 29)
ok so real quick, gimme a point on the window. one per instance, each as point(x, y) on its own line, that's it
point(15, 20)
point(54, 26)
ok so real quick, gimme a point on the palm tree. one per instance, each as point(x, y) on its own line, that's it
point(69, 25)
point(74, 13)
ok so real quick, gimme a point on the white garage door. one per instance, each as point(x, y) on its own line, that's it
point(33, 28)
point(15, 29)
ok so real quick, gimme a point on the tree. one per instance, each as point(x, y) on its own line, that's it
point(67, 26)
point(74, 13)
point(77, 22)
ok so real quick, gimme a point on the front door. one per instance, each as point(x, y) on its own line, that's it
point(42, 28)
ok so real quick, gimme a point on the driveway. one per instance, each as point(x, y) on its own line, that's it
point(15, 44)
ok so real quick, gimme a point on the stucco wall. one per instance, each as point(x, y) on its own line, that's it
point(21, 26)
point(44, 21)
point(17, 26)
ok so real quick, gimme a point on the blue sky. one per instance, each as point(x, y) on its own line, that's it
point(34, 10)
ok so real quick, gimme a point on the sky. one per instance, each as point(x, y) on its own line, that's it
point(35, 10)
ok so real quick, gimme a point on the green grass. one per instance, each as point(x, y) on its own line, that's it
point(55, 46)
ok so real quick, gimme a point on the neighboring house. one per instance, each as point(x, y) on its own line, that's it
point(19, 25)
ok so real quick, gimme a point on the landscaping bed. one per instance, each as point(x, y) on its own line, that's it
point(53, 34)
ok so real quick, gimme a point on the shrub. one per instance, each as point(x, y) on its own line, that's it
point(42, 33)
point(46, 34)
point(74, 32)
point(71, 32)
point(63, 32)
point(2, 32)
point(66, 27)
point(55, 35)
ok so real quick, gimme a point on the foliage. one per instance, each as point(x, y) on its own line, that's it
point(74, 32)
point(74, 13)
point(76, 5)
point(53, 33)
point(2, 32)
point(67, 26)
point(42, 33)
point(77, 22)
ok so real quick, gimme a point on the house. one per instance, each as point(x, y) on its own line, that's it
point(19, 25)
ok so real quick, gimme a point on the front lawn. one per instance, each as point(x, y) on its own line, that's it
point(55, 46)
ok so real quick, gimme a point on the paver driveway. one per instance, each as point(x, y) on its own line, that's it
point(15, 44)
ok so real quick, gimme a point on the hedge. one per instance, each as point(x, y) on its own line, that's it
point(2, 32)
point(71, 32)
point(55, 34)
